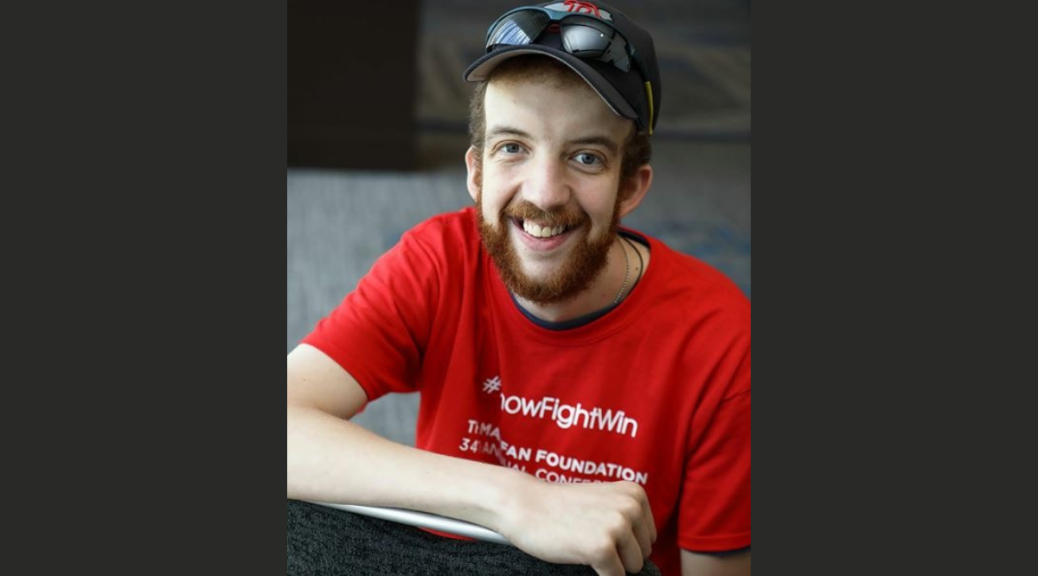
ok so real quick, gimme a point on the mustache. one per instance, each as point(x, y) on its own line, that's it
point(525, 210)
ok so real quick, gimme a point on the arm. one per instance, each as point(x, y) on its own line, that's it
point(693, 564)
point(606, 526)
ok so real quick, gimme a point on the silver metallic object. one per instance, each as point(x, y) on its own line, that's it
point(424, 520)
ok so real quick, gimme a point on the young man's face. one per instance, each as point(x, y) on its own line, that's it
point(548, 189)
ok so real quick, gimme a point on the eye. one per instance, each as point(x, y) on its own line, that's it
point(588, 159)
point(511, 148)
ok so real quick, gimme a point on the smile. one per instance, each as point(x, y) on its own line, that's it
point(538, 231)
point(541, 238)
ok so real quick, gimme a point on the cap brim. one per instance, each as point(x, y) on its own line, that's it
point(480, 70)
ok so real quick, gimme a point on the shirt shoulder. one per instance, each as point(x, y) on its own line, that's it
point(682, 273)
point(459, 226)
point(447, 241)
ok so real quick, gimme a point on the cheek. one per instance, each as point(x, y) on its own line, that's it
point(494, 193)
point(602, 211)
point(489, 207)
point(601, 207)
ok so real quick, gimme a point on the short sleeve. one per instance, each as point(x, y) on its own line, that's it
point(378, 332)
point(715, 503)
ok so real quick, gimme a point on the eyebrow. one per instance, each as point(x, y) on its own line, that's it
point(603, 141)
point(506, 131)
point(594, 139)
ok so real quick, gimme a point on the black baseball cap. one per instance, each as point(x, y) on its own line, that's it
point(633, 94)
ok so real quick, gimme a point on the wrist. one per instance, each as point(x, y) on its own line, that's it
point(509, 499)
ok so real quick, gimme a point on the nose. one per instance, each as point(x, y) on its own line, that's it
point(546, 185)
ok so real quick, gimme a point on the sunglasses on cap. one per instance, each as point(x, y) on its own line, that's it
point(583, 35)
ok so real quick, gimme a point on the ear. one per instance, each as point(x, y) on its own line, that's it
point(634, 189)
point(475, 174)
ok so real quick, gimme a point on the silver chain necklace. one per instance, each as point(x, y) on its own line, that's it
point(627, 275)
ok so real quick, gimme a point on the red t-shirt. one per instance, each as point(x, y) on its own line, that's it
point(656, 391)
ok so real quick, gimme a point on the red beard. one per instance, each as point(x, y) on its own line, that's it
point(586, 261)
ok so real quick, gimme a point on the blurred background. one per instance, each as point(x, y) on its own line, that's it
point(377, 119)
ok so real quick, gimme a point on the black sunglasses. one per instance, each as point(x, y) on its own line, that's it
point(583, 36)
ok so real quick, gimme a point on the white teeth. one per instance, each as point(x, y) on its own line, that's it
point(537, 231)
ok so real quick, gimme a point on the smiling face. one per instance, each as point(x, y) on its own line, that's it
point(548, 184)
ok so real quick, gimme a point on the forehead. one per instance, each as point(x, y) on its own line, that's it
point(552, 109)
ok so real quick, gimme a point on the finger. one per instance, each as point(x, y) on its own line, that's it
point(631, 553)
point(609, 565)
point(641, 532)
point(638, 493)
point(649, 520)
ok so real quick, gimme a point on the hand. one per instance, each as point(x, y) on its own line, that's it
point(606, 526)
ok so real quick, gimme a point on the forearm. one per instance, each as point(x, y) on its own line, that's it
point(606, 526)
point(333, 460)
point(693, 564)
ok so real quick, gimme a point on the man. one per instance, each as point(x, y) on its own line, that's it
point(585, 389)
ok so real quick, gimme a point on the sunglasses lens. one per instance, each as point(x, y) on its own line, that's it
point(617, 54)
point(518, 28)
point(584, 38)
point(588, 38)
point(583, 41)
